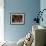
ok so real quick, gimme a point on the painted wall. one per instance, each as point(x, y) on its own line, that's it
point(43, 6)
point(1, 20)
point(29, 7)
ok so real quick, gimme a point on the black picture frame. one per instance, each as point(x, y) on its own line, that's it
point(17, 18)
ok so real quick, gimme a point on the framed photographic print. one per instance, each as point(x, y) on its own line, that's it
point(17, 18)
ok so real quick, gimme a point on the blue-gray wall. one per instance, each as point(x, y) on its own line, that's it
point(29, 7)
point(43, 6)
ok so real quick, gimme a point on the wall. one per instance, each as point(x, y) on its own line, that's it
point(1, 20)
point(29, 7)
point(43, 6)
